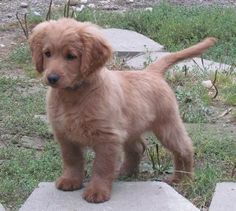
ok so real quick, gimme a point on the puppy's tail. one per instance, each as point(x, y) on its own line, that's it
point(165, 62)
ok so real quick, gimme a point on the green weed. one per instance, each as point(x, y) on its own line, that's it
point(227, 88)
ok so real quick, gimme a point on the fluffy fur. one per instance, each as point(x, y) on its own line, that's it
point(90, 106)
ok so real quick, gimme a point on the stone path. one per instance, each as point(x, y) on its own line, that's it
point(126, 196)
point(224, 198)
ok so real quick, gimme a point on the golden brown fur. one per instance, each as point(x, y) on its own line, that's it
point(108, 111)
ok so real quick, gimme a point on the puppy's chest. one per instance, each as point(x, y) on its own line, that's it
point(74, 123)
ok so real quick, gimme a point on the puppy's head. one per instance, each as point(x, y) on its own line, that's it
point(67, 51)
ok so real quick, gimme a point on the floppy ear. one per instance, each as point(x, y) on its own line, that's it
point(96, 50)
point(35, 42)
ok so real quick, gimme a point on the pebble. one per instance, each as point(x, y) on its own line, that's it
point(31, 143)
point(24, 5)
point(9, 15)
point(2, 46)
point(91, 5)
point(79, 9)
point(208, 84)
point(83, 1)
point(43, 118)
point(105, 2)
point(149, 9)
point(36, 13)
point(74, 2)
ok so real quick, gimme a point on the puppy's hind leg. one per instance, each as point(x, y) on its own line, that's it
point(134, 150)
point(174, 137)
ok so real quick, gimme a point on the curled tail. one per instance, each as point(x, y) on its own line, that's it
point(161, 65)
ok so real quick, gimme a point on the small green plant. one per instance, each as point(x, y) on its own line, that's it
point(21, 54)
point(158, 156)
point(20, 57)
point(192, 97)
point(159, 159)
point(227, 88)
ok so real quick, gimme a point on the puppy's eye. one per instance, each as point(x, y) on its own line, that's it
point(70, 56)
point(47, 54)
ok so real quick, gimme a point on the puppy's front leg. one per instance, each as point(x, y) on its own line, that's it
point(73, 167)
point(104, 172)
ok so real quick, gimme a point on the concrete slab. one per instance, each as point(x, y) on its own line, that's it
point(126, 196)
point(1, 208)
point(205, 65)
point(130, 43)
point(224, 198)
point(140, 62)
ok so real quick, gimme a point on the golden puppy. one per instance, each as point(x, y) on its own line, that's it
point(90, 106)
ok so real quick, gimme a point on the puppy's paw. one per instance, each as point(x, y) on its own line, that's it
point(68, 184)
point(96, 194)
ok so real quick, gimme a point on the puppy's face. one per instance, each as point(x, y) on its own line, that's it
point(67, 51)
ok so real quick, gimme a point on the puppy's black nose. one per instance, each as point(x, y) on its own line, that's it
point(53, 78)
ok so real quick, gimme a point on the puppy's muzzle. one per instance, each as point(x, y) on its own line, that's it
point(53, 79)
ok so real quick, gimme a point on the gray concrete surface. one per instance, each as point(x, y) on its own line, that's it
point(130, 43)
point(224, 198)
point(126, 196)
point(140, 62)
point(1, 208)
point(205, 65)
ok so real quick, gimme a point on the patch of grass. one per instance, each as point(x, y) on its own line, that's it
point(20, 101)
point(34, 19)
point(21, 54)
point(4, 64)
point(234, 114)
point(20, 57)
point(22, 170)
point(227, 86)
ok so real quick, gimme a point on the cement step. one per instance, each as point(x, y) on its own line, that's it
point(140, 62)
point(224, 198)
point(126, 196)
point(130, 43)
point(1, 208)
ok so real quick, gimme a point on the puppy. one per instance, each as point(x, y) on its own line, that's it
point(90, 106)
